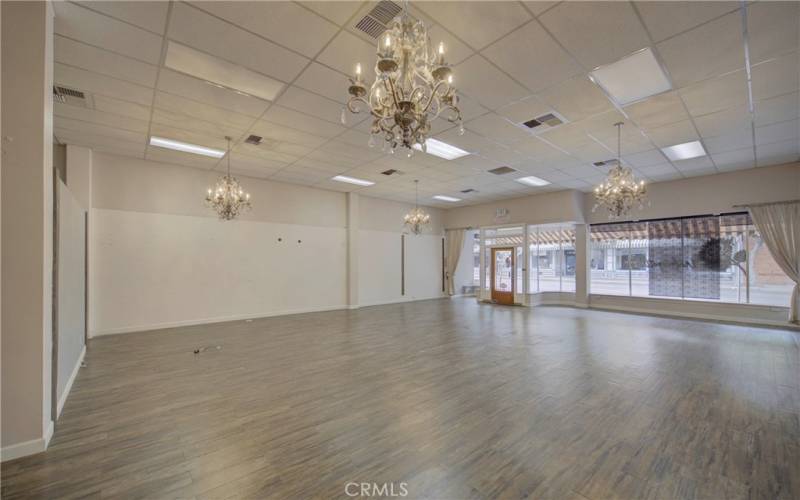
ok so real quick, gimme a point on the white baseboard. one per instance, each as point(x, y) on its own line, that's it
point(68, 387)
point(205, 321)
point(26, 448)
point(402, 300)
point(736, 320)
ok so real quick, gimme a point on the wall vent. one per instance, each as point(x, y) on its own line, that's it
point(254, 139)
point(501, 170)
point(374, 23)
point(545, 122)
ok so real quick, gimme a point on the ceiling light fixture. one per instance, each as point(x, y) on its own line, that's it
point(446, 198)
point(532, 180)
point(417, 219)
point(685, 151)
point(228, 198)
point(413, 86)
point(441, 149)
point(186, 147)
point(620, 192)
point(352, 180)
point(632, 78)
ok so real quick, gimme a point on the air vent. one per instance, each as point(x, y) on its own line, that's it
point(470, 190)
point(392, 171)
point(67, 92)
point(501, 170)
point(72, 97)
point(254, 139)
point(545, 122)
point(374, 23)
point(605, 163)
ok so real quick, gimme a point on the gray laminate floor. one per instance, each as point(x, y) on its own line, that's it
point(452, 398)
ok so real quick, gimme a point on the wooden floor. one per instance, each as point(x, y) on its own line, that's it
point(455, 399)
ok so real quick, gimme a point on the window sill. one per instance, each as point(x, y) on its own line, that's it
point(674, 300)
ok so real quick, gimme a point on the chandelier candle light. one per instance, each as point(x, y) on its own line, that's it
point(417, 219)
point(620, 192)
point(413, 86)
point(228, 198)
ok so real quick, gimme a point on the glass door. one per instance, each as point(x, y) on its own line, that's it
point(503, 275)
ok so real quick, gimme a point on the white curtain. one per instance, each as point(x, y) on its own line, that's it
point(779, 225)
point(455, 241)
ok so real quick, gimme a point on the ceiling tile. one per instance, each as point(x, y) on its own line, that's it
point(345, 51)
point(299, 121)
point(324, 81)
point(208, 140)
point(181, 121)
point(100, 118)
point(665, 19)
point(545, 63)
point(576, 99)
point(706, 51)
point(740, 139)
point(644, 159)
point(777, 132)
point(94, 83)
point(151, 16)
point(280, 133)
point(658, 110)
point(101, 61)
point(338, 12)
point(254, 163)
point(596, 33)
point(497, 128)
point(123, 108)
point(477, 23)
point(702, 163)
point(202, 111)
point(201, 31)
point(186, 86)
point(455, 50)
point(484, 83)
point(100, 142)
point(312, 104)
point(675, 133)
point(99, 130)
point(716, 94)
point(277, 21)
point(777, 109)
point(735, 160)
point(88, 26)
point(180, 158)
point(772, 29)
point(524, 109)
point(537, 7)
point(724, 122)
point(776, 77)
point(274, 151)
point(777, 153)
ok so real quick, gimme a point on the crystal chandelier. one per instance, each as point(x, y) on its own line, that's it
point(620, 192)
point(228, 198)
point(413, 86)
point(416, 219)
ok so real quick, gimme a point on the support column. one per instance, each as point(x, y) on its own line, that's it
point(582, 265)
point(27, 226)
point(352, 250)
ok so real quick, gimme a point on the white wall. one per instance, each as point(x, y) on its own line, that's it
point(464, 269)
point(545, 208)
point(160, 258)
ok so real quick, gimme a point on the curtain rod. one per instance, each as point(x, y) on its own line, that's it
point(786, 202)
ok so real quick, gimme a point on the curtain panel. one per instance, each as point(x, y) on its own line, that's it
point(779, 226)
point(455, 242)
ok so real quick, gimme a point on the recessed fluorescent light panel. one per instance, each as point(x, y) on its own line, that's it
point(633, 78)
point(232, 76)
point(352, 180)
point(684, 151)
point(533, 181)
point(446, 198)
point(442, 149)
point(186, 147)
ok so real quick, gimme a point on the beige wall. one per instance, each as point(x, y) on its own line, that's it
point(559, 206)
point(27, 226)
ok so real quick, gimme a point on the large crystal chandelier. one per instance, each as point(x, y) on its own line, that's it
point(620, 192)
point(413, 86)
point(228, 198)
point(417, 219)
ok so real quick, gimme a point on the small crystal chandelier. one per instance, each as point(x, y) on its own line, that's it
point(413, 86)
point(228, 198)
point(416, 219)
point(620, 192)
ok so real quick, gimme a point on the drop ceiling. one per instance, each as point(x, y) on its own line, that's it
point(513, 61)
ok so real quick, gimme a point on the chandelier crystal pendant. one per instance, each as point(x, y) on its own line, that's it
point(620, 192)
point(228, 198)
point(417, 219)
point(413, 86)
